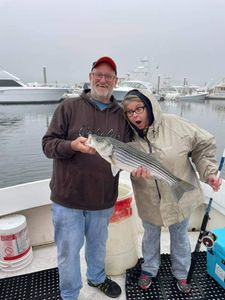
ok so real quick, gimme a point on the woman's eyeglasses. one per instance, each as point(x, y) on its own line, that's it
point(99, 76)
point(138, 110)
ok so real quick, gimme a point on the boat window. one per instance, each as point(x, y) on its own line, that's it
point(133, 84)
point(125, 84)
point(8, 82)
point(119, 95)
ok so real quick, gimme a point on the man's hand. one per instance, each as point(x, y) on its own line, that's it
point(79, 145)
point(214, 182)
point(141, 172)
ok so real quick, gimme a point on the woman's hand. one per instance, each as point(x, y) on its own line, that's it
point(214, 182)
point(141, 172)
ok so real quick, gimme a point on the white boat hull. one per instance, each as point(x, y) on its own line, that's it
point(216, 96)
point(31, 95)
point(218, 91)
point(194, 97)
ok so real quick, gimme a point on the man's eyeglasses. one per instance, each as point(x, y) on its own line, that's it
point(99, 76)
point(138, 110)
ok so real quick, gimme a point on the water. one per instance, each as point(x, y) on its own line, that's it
point(22, 127)
point(21, 130)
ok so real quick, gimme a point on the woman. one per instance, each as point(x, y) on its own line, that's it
point(173, 141)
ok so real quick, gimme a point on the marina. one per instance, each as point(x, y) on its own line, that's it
point(48, 49)
point(22, 127)
point(24, 190)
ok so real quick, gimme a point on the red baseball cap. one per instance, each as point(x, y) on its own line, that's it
point(107, 60)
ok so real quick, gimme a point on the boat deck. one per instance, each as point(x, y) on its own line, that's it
point(45, 258)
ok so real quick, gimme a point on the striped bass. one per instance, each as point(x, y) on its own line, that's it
point(126, 157)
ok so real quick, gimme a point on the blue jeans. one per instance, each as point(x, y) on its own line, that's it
point(72, 228)
point(179, 248)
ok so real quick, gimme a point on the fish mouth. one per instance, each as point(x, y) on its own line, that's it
point(88, 141)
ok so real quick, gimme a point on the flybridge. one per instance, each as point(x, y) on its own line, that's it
point(9, 80)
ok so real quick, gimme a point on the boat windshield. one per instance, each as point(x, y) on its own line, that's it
point(8, 82)
point(133, 84)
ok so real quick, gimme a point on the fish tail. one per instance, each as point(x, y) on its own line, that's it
point(180, 188)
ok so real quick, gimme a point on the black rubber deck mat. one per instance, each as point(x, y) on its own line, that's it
point(164, 287)
point(42, 285)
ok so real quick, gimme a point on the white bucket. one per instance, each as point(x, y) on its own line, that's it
point(122, 243)
point(15, 250)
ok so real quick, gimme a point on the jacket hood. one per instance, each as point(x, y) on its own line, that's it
point(153, 108)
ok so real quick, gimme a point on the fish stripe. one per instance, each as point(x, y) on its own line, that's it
point(124, 156)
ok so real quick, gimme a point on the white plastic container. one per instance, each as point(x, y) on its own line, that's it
point(15, 250)
point(122, 244)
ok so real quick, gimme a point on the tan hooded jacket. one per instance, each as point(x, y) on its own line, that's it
point(171, 139)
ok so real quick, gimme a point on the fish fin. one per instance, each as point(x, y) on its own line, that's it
point(180, 188)
point(115, 170)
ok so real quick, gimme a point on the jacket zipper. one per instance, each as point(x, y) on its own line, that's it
point(156, 182)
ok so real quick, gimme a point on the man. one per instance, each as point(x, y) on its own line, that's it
point(83, 189)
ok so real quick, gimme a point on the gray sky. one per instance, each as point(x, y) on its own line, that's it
point(185, 38)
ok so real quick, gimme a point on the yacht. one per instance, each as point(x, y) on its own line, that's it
point(185, 93)
point(14, 91)
point(125, 86)
point(139, 78)
point(218, 91)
